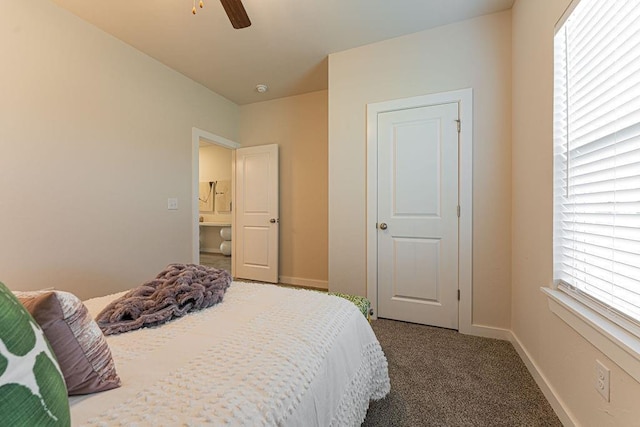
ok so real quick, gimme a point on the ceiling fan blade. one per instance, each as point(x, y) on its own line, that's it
point(236, 13)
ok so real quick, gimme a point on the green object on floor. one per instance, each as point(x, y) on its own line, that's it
point(363, 304)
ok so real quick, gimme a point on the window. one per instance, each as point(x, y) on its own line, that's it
point(597, 158)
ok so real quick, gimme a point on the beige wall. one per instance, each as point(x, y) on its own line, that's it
point(94, 137)
point(214, 163)
point(298, 125)
point(562, 356)
point(474, 53)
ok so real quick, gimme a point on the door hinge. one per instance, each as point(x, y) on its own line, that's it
point(458, 294)
point(458, 125)
point(458, 211)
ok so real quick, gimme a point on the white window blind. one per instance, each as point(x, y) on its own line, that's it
point(597, 157)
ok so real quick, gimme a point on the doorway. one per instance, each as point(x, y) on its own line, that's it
point(212, 172)
point(215, 205)
point(414, 273)
point(253, 245)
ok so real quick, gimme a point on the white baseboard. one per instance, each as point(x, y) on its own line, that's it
point(309, 283)
point(487, 332)
point(548, 391)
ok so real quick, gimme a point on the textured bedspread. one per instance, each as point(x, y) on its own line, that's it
point(266, 356)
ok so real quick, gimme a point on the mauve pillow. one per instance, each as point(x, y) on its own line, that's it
point(76, 340)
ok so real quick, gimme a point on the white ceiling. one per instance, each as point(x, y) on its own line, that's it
point(286, 46)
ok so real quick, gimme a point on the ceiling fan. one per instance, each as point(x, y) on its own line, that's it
point(235, 11)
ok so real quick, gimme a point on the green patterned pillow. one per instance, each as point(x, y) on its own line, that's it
point(363, 304)
point(32, 389)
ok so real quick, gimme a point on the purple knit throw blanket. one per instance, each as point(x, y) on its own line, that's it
point(176, 291)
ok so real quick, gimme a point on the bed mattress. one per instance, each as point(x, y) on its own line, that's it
point(266, 355)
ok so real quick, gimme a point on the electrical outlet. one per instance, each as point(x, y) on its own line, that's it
point(172, 204)
point(603, 375)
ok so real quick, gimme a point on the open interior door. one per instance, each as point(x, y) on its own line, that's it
point(257, 213)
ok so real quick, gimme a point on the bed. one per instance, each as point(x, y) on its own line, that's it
point(266, 355)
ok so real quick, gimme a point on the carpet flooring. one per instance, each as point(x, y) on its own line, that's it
point(442, 378)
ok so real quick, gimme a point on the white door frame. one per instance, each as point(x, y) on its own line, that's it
point(464, 99)
point(198, 135)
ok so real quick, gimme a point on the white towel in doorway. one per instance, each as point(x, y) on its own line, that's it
point(205, 196)
point(223, 196)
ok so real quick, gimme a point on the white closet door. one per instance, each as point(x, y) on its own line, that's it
point(417, 215)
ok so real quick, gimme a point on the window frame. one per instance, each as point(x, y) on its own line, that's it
point(612, 332)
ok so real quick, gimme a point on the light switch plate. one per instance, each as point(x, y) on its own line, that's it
point(172, 204)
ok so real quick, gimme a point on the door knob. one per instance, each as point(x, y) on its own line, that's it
point(273, 220)
point(383, 226)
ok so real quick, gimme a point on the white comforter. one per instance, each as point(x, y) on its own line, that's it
point(267, 355)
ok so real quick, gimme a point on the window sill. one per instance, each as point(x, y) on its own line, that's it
point(622, 347)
